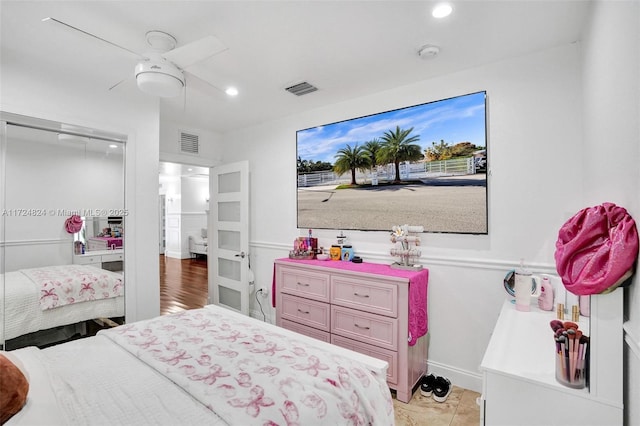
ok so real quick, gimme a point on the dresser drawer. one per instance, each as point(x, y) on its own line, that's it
point(307, 331)
point(365, 327)
point(306, 312)
point(112, 257)
point(87, 260)
point(366, 295)
point(391, 357)
point(304, 283)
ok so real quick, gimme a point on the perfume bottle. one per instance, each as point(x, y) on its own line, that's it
point(545, 300)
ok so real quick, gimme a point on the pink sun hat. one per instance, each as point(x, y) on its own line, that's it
point(73, 224)
point(596, 249)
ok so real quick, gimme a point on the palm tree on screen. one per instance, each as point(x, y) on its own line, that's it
point(398, 146)
point(372, 148)
point(353, 159)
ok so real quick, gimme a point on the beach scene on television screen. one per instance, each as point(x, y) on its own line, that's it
point(421, 165)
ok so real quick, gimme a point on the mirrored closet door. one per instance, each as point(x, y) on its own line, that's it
point(63, 231)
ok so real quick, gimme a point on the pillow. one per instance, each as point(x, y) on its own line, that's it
point(14, 387)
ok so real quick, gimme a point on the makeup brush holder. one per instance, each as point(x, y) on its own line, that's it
point(571, 371)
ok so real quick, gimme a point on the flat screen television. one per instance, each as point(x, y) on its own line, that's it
point(420, 165)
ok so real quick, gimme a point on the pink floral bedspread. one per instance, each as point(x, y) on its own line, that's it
point(68, 284)
point(251, 375)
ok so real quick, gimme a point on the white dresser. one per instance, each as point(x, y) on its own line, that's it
point(518, 369)
point(105, 259)
point(365, 312)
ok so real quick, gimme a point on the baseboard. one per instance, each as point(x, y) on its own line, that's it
point(255, 313)
point(461, 378)
point(177, 254)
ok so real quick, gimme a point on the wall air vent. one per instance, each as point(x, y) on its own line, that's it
point(189, 143)
point(301, 88)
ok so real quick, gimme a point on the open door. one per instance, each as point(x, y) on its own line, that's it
point(228, 255)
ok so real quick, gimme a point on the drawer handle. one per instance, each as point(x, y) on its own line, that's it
point(360, 295)
point(364, 328)
point(302, 312)
point(303, 284)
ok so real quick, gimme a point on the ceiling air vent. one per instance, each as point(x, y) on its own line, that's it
point(301, 89)
point(189, 143)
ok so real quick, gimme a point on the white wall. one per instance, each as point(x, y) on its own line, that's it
point(210, 142)
point(135, 115)
point(534, 184)
point(186, 207)
point(611, 87)
point(195, 192)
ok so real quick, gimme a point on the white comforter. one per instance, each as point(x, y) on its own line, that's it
point(194, 376)
point(94, 382)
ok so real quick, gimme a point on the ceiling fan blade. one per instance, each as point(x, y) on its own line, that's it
point(196, 81)
point(54, 20)
point(119, 83)
point(196, 51)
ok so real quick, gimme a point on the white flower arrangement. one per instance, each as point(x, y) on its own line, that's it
point(399, 233)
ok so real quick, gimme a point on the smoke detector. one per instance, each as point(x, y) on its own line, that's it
point(428, 51)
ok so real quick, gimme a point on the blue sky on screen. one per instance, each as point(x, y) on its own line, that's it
point(454, 120)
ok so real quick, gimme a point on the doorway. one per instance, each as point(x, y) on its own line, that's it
point(183, 203)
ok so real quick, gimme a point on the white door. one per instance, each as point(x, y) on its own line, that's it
point(228, 236)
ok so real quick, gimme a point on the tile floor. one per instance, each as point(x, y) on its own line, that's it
point(460, 409)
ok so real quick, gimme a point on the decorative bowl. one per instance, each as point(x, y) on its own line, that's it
point(322, 256)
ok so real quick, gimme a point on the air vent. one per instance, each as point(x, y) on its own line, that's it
point(189, 143)
point(301, 89)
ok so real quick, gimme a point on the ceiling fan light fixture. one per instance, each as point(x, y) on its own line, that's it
point(159, 79)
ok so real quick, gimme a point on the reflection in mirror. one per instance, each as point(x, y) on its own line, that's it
point(99, 233)
point(62, 245)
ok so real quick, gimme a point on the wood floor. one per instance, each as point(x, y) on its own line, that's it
point(183, 284)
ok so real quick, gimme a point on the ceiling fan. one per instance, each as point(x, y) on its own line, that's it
point(161, 70)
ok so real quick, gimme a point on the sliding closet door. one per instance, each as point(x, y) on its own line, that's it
point(50, 173)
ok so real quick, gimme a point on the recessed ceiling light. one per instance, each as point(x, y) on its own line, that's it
point(441, 10)
point(113, 146)
point(231, 91)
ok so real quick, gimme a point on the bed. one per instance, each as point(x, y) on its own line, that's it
point(203, 366)
point(104, 243)
point(27, 304)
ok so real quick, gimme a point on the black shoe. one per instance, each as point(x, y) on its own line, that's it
point(441, 389)
point(427, 384)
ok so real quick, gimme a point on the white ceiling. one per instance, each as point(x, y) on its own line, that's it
point(345, 48)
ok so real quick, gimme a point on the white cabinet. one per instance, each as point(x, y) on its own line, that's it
point(518, 368)
point(365, 312)
point(105, 259)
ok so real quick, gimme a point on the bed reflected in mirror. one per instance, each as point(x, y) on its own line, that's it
point(62, 239)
